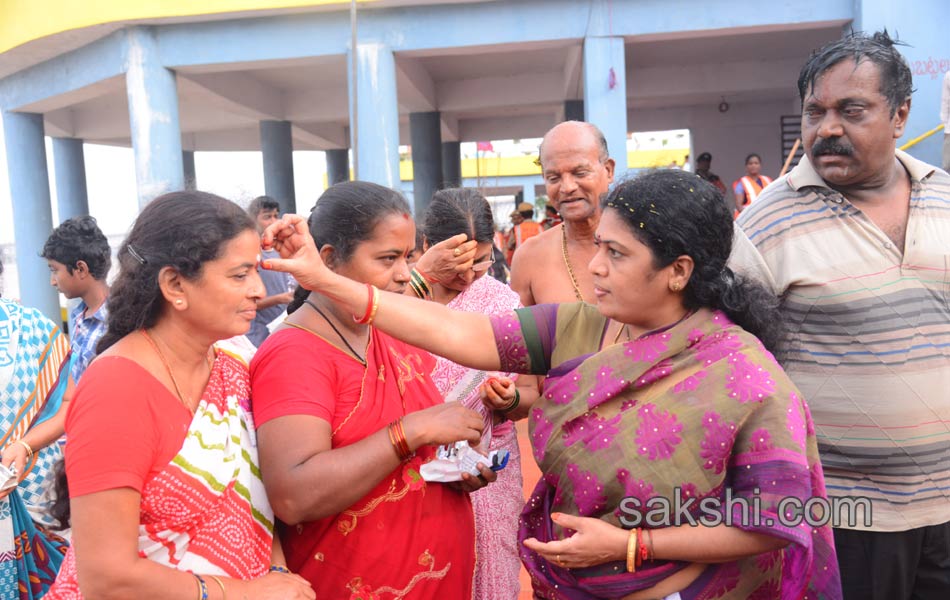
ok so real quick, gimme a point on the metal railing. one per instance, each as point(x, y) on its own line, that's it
point(921, 138)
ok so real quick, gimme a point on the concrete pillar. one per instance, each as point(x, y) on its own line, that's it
point(527, 195)
point(188, 165)
point(426, 131)
point(69, 169)
point(573, 110)
point(605, 94)
point(377, 115)
point(451, 164)
point(338, 165)
point(153, 117)
point(277, 148)
point(32, 213)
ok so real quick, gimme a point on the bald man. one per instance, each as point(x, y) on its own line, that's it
point(577, 171)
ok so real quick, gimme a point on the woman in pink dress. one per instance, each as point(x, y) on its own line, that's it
point(465, 211)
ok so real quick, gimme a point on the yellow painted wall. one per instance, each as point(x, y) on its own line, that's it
point(513, 166)
point(22, 21)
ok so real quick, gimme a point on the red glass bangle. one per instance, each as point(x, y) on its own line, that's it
point(426, 276)
point(369, 306)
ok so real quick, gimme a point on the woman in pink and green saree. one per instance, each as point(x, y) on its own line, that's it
point(663, 408)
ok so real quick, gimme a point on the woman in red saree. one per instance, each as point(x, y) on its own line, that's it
point(662, 391)
point(335, 399)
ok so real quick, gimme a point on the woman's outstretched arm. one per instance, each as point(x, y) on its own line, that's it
point(464, 338)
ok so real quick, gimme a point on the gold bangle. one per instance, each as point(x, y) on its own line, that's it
point(29, 451)
point(372, 314)
point(632, 551)
point(224, 593)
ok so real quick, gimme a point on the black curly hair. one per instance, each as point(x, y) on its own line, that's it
point(676, 213)
point(182, 230)
point(345, 216)
point(79, 239)
point(896, 79)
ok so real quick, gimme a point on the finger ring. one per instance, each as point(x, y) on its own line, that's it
point(557, 559)
point(457, 252)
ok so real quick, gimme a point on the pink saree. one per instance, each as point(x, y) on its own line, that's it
point(700, 409)
point(498, 505)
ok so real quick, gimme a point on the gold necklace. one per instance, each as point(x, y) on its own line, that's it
point(621, 330)
point(567, 263)
point(168, 369)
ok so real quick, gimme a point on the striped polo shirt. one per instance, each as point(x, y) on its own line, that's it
point(868, 335)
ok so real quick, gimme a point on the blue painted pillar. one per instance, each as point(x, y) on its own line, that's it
point(527, 195)
point(338, 165)
point(32, 213)
point(426, 131)
point(377, 115)
point(605, 93)
point(153, 117)
point(277, 148)
point(451, 164)
point(69, 166)
point(188, 165)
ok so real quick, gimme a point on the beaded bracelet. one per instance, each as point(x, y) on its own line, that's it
point(642, 548)
point(202, 587)
point(279, 569)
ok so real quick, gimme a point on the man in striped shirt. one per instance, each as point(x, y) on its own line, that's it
point(855, 242)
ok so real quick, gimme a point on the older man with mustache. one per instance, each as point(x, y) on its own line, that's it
point(855, 244)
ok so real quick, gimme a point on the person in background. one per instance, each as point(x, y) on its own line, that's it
point(524, 227)
point(465, 211)
point(347, 415)
point(418, 251)
point(665, 389)
point(703, 165)
point(79, 258)
point(34, 358)
point(551, 217)
point(165, 492)
point(278, 286)
point(748, 187)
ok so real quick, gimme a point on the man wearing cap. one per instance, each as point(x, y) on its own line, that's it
point(523, 227)
point(703, 162)
point(577, 171)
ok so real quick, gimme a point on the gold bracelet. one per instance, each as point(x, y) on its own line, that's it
point(224, 593)
point(632, 551)
point(372, 314)
point(29, 451)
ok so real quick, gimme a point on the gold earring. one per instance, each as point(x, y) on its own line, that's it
point(675, 286)
point(178, 302)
